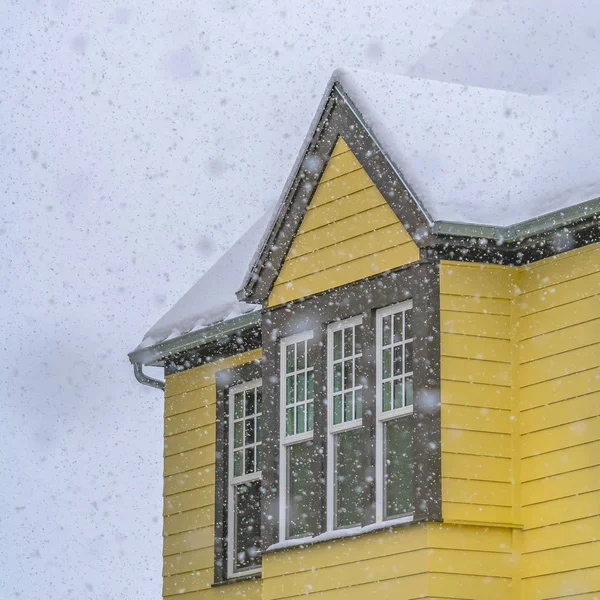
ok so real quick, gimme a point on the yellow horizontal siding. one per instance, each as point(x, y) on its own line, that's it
point(560, 317)
point(187, 582)
point(560, 268)
point(187, 401)
point(367, 202)
point(561, 437)
point(560, 535)
point(330, 191)
point(189, 480)
point(460, 441)
point(475, 305)
point(349, 233)
point(340, 164)
point(347, 251)
point(248, 590)
point(340, 230)
point(189, 561)
point(476, 280)
point(562, 388)
point(476, 324)
point(476, 394)
point(560, 413)
point(192, 459)
point(189, 484)
point(569, 508)
point(346, 273)
point(192, 419)
point(476, 347)
point(474, 418)
point(484, 468)
point(569, 584)
point(465, 491)
point(561, 461)
point(559, 393)
point(189, 500)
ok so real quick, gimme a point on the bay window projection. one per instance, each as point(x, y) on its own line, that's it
point(345, 480)
point(298, 512)
point(245, 448)
point(395, 425)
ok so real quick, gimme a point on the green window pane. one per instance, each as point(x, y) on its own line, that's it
point(386, 359)
point(348, 374)
point(300, 421)
point(238, 402)
point(337, 345)
point(289, 389)
point(337, 377)
point(289, 421)
point(349, 479)
point(310, 416)
point(249, 460)
point(397, 327)
point(398, 360)
point(258, 429)
point(387, 395)
point(387, 330)
point(349, 341)
point(310, 385)
point(408, 358)
point(358, 404)
point(302, 512)
point(258, 400)
point(300, 387)
point(249, 437)
point(247, 535)
point(238, 434)
point(337, 409)
point(258, 457)
point(408, 328)
point(249, 402)
point(398, 393)
point(238, 463)
point(348, 406)
point(408, 383)
point(300, 355)
point(398, 479)
point(289, 359)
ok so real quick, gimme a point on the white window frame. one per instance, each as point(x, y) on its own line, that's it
point(383, 417)
point(334, 429)
point(285, 442)
point(235, 481)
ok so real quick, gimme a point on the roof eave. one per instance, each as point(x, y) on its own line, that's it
point(525, 229)
point(153, 356)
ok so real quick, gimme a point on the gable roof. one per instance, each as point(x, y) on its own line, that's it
point(465, 156)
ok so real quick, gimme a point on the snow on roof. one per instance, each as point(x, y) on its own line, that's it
point(212, 299)
point(471, 154)
point(480, 155)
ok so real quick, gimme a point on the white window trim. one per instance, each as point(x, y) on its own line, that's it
point(234, 481)
point(332, 430)
point(383, 417)
point(294, 439)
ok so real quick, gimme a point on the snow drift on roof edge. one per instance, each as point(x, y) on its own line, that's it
point(213, 298)
point(479, 155)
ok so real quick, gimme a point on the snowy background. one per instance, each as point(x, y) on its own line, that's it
point(137, 141)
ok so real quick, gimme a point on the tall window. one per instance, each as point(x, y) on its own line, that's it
point(298, 513)
point(345, 478)
point(245, 446)
point(395, 460)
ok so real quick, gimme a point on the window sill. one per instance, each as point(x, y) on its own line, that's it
point(339, 534)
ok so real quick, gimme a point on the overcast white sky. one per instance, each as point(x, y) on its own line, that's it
point(137, 141)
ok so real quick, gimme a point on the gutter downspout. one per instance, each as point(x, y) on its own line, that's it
point(145, 380)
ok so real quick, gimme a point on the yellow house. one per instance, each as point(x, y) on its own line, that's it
point(390, 388)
